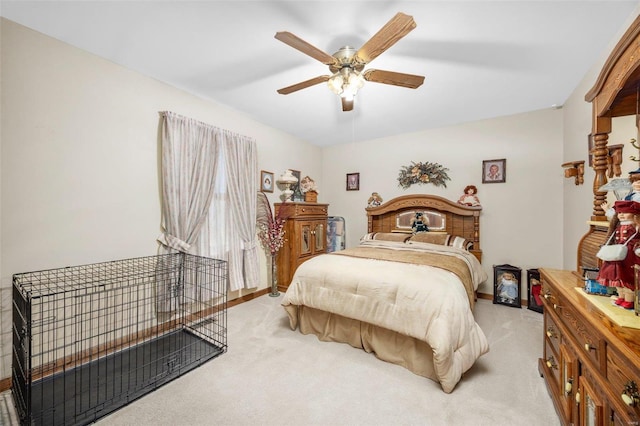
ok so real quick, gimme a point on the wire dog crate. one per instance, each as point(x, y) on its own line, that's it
point(90, 339)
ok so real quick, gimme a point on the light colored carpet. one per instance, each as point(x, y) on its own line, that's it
point(272, 375)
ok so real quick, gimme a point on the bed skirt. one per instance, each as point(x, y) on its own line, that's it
point(390, 346)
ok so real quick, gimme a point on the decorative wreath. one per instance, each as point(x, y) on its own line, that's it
point(423, 173)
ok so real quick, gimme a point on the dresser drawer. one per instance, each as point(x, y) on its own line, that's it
point(552, 362)
point(590, 342)
point(623, 378)
point(311, 210)
point(552, 332)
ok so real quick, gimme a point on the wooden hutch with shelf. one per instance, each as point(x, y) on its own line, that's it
point(305, 237)
point(591, 358)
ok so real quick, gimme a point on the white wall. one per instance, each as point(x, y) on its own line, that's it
point(520, 221)
point(80, 158)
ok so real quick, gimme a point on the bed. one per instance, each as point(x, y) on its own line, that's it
point(408, 298)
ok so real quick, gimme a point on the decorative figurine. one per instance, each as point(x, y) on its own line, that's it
point(469, 198)
point(633, 195)
point(508, 288)
point(308, 188)
point(419, 223)
point(307, 184)
point(618, 271)
point(375, 200)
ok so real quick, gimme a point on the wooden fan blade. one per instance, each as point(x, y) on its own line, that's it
point(398, 27)
point(395, 78)
point(303, 85)
point(347, 105)
point(306, 48)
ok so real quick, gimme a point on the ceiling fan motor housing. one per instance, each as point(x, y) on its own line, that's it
point(345, 58)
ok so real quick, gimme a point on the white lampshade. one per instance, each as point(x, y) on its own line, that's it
point(287, 179)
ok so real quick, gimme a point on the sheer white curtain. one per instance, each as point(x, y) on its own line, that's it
point(241, 161)
point(229, 232)
point(189, 159)
point(209, 208)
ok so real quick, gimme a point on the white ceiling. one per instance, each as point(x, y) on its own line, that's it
point(481, 59)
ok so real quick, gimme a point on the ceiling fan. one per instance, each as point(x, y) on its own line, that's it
point(347, 64)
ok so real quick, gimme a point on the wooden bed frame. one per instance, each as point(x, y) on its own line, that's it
point(462, 221)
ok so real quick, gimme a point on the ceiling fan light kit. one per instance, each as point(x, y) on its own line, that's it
point(346, 83)
point(347, 64)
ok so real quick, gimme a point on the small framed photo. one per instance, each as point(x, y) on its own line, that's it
point(534, 287)
point(506, 285)
point(353, 181)
point(494, 171)
point(266, 181)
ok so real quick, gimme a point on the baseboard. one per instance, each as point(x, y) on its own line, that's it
point(247, 297)
point(485, 296)
point(5, 384)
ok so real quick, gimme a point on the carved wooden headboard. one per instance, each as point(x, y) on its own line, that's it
point(615, 94)
point(458, 220)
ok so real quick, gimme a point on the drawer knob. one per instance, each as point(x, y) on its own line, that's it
point(551, 363)
point(568, 386)
point(547, 295)
point(588, 347)
point(577, 397)
point(551, 332)
point(630, 394)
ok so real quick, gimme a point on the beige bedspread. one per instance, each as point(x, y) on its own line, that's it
point(424, 302)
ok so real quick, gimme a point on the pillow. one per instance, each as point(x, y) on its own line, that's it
point(385, 236)
point(391, 236)
point(461, 243)
point(367, 237)
point(442, 239)
point(430, 237)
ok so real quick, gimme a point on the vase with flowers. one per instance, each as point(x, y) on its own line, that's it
point(271, 233)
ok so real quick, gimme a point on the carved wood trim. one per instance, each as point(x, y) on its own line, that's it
point(461, 220)
point(613, 95)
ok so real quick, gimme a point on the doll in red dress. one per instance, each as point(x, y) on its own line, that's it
point(620, 273)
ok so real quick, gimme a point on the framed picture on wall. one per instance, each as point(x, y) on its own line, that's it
point(494, 171)
point(506, 285)
point(353, 181)
point(266, 181)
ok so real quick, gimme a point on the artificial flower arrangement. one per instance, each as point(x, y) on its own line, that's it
point(423, 173)
point(271, 227)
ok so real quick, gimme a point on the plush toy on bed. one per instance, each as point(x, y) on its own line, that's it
point(419, 223)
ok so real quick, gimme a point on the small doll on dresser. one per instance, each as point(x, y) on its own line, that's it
point(623, 229)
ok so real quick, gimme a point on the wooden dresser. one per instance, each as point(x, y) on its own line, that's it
point(590, 364)
point(305, 237)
